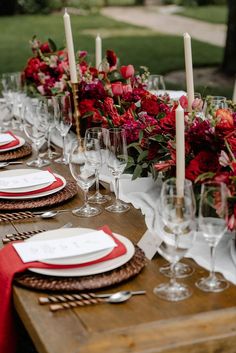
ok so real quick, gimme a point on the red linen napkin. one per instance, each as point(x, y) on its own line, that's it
point(56, 184)
point(10, 265)
point(12, 143)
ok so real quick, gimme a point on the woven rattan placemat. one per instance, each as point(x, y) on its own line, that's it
point(20, 152)
point(106, 279)
point(69, 191)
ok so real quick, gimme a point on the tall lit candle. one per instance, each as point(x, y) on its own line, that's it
point(180, 150)
point(70, 48)
point(98, 51)
point(189, 70)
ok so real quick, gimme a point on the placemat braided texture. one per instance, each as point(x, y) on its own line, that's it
point(69, 191)
point(20, 152)
point(118, 275)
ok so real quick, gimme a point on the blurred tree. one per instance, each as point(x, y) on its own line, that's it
point(229, 61)
point(7, 7)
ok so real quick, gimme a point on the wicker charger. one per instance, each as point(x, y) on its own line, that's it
point(17, 153)
point(84, 283)
point(69, 191)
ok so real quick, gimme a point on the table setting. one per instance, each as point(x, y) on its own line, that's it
point(167, 156)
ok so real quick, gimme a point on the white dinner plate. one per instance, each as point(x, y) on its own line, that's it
point(15, 172)
point(95, 269)
point(21, 143)
point(70, 232)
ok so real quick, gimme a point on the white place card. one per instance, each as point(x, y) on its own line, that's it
point(26, 180)
point(64, 247)
point(6, 138)
point(149, 244)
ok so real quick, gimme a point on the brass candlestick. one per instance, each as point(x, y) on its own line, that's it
point(75, 90)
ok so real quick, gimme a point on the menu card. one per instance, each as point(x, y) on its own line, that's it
point(64, 247)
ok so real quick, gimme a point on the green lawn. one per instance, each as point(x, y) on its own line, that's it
point(213, 14)
point(160, 53)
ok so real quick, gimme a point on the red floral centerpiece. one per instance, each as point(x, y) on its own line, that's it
point(117, 97)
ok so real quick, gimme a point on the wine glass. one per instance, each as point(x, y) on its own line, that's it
point(213, 103)
point(50, 107)
point(212, 222)
point(177, 215)
point(100, 135)
point(156, 83)
point(83, 170)
point(117, 159)
point(35, 127)
point(63, 117)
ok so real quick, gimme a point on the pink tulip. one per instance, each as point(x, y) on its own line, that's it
point(127, 88)
point(117, 88)
point(127, 71)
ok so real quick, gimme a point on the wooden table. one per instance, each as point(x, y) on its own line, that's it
point(145, 324)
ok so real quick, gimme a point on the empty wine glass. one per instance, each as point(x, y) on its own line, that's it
point(50, 106)
point(35, 127)
point(156, 83)
point(177, 215)
point(212, 222)
point(117, 159)
point(83, 171)
point(63, 117)
point(99, 135)
point(213, 103)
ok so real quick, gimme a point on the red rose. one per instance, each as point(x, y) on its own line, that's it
point(168, 122)
point(127, 71)
point(117, 88)
point(202, 163)
point(45, 48)
point(150, 105)
point(232, 143)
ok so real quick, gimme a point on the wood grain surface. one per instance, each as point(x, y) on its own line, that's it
point(204, 323)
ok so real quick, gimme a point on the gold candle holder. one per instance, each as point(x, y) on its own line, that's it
point(75, 90)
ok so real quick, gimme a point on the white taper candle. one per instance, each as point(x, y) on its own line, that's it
point(98, 51)
point(70, 48)
point(189, 70)
point(180, 150)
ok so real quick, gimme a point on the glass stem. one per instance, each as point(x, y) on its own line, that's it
point(86, 197)
point(212, 252)
point(117, 191)
point(172, 266)
point(49, 142)
point(97, 181)
point(64, 147)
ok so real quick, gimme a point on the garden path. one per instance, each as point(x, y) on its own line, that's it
point(162, 19)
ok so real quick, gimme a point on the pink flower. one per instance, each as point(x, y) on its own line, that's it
point(117, 88)
point(127, 71)
point(183, 102)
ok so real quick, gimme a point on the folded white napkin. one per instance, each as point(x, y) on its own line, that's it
point(173, 94)
point(26, 180)
point(6, 138)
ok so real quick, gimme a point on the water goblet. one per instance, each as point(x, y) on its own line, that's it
point(177, 214)
point(35, 127)
point(99, 135)
point(212, 222)
point(83, 171)
point(156, 83)
point(63, 117)
point(117, 158)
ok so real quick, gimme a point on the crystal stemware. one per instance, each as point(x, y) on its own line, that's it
point(63, 117)
point(177, 214)
point(100, 136)
point(212, 222)
point(35, 127)
point(156, 83)
point(117, 159)
point(83, 171)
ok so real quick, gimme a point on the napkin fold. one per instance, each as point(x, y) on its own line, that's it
point(10, 265)
point(16, 142)
point(56, 184)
